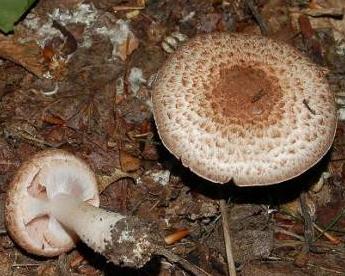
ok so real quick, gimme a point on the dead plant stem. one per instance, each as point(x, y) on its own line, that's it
point(264, 28)
point(308, 223)
point(227, 238)
point(173, 258)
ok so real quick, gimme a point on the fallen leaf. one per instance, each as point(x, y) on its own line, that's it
point(128, 162)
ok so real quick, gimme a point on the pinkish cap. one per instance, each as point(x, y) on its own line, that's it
point(39, 179)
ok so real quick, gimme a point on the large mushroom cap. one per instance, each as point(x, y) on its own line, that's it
point(44, 176)
point(243, 108)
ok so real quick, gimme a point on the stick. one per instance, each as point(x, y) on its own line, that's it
point(227, 238)
point(259, 19)
point(308, 223)
point(321, 12)
point(173, 258)
point(331, 238)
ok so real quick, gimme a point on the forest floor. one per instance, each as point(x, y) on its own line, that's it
point(77, 75)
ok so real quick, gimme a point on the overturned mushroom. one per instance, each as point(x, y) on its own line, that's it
point(53, 199)
point(243, 108)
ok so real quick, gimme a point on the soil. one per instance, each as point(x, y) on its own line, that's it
point(77, 75)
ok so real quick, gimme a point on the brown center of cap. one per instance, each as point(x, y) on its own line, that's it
point(243, 95)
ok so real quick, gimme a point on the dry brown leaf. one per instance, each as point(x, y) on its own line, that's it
point(105, 180)
point(128, 162)
point(27, 55)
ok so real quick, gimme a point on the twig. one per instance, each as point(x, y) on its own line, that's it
point(308, 223)
point(321, 12)
point(227, 238)
point(127, 8)
point(288, 233)
point(287, 243)
point(333, 222)
point(182, 262)
point(338, 159)
point(140, 5)
point(332, 239)
point(287, 259)
point(26, 265)
point(259, 19)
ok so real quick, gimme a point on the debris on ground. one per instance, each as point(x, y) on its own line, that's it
point(77, 75)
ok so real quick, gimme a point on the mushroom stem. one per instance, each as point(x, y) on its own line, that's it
point(122, 240)
point(93, 225)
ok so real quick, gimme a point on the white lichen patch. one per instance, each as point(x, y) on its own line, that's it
point(31, 21)
point(162, 177)
point(42, 29)
point(119, 33)
point(84, 13)
point(136, 78)
point(122, 38)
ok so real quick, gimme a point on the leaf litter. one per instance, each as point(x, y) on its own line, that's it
point(95, 102)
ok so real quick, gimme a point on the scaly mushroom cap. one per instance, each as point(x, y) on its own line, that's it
point(39, 179)
point(243, 108)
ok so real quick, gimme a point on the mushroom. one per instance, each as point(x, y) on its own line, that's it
point(53, 199)
point(243, 108)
